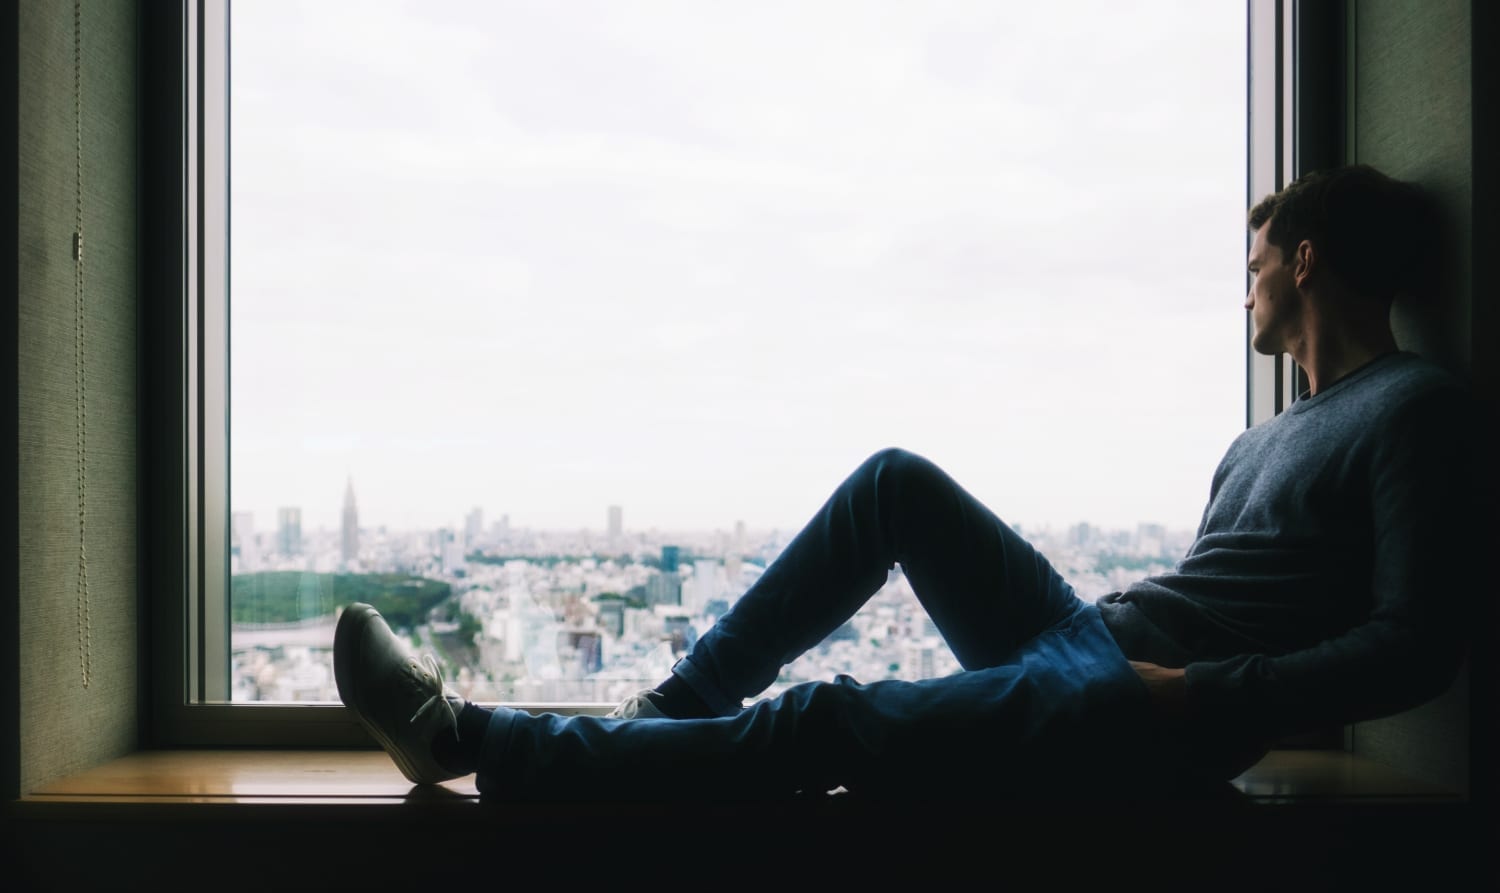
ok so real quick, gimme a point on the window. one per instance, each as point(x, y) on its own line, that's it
point(554, 298)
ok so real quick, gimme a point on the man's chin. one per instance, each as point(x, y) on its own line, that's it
point(1264, 346)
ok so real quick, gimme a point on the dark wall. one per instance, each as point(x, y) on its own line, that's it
point(1412, 107)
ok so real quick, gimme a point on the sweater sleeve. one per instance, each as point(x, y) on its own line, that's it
point(1426, 500)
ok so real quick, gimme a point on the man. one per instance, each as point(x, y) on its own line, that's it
point(1329, 583)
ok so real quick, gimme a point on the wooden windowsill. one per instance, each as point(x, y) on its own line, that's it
point(367, 777)
point(249, 776)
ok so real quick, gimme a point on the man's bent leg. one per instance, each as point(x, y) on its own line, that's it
point(1067, 714)
point(984, 586)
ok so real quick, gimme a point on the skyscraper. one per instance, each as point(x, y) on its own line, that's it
point(616, 524)
point(664, 588)
point(289, 530)
point(451, 553)
point(707, 584)
point(473, 527)
point(349, 551)
point(611, 617)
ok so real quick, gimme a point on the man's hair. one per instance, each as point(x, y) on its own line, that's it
point(1379, 235)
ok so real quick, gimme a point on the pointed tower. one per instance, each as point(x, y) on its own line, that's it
point(350, 543)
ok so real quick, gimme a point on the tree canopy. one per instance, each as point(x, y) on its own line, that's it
point(288, 596)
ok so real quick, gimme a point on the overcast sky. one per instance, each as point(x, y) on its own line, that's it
point(699, 259)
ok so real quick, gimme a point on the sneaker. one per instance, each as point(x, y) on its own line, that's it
point(398, 697)
point(637, 706)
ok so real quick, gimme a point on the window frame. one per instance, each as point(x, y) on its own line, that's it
point(1295, 121)
point(184, 368)
point(1268, 156)
point(184, 361)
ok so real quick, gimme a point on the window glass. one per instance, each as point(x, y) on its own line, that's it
point(551, 323)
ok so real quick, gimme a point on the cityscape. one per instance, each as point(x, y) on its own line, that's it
point(583, 617)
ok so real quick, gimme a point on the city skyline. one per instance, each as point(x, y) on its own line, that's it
point(337, 519)
point(536, 617)
point(244, 521)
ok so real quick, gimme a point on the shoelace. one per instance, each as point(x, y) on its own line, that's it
point(424, 671)
point(632, 706)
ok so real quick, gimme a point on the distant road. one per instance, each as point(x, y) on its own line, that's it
point(315, 632)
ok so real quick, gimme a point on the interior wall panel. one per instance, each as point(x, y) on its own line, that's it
point(1410, 96)
point(76, 426)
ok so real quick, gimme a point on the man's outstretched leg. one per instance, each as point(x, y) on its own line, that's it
point(987, 590)
point(1042, 674)
point(1039, 722)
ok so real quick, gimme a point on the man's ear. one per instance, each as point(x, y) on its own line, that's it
point(1303, 262)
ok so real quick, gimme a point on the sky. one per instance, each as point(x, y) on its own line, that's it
point(700, 259)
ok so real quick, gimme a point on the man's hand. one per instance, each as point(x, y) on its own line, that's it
point(1167, 686)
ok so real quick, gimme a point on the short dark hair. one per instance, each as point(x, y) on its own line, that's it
point(1376, 233)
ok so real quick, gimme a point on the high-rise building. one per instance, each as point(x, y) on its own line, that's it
point(587, 648)
point(289, 531)
point(611, 616)
point(1150, 539)
point(243, 548)
point(669, 559)
point(1080, 534)
point(451, 553)
point(664, 588)
point(679, 630)
point(349, 541)
point(616, 524)
point(473, 526)
point(706, 585)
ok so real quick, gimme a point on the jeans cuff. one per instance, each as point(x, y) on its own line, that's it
point(706, 691)
point(492, 749)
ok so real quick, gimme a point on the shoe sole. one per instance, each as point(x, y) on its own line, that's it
point(346, 641)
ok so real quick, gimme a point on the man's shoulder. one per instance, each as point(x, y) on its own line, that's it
point(1400, 392)
point(1399, 396)
point(1416, 371)
point(1420, 382)
point(1400, 382)
point(1426, 412)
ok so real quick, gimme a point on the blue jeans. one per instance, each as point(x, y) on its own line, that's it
point(1045, 703)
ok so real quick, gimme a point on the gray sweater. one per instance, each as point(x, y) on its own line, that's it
point(1333, 575)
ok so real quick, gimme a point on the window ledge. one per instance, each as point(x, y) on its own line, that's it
point(367, 777)
point(347, 819)
point(349, 777)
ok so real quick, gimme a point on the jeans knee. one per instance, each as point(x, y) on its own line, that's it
point(903, 468)
point(895, 461)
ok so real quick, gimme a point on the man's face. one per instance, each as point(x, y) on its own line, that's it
point(1273, 301)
